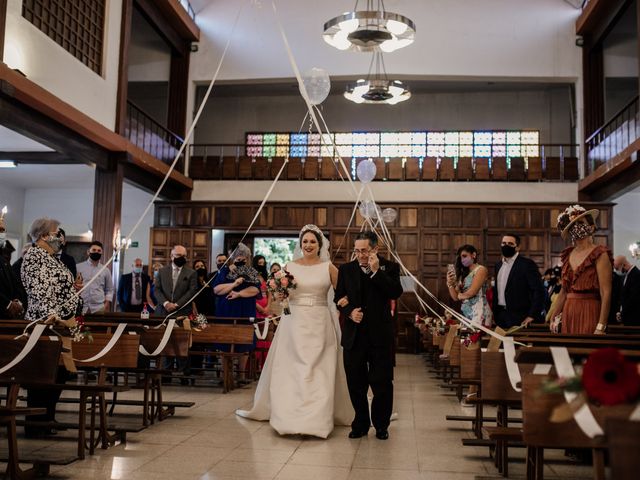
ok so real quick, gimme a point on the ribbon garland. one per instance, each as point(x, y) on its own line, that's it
point(107, 348)
point(163, 341)
point(31, 342)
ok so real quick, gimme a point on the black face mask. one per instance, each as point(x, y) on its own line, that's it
point(179, 261)
point(95, 256)
point(202, 272)
point(240, 264)
point(508, 251)
point(220, 265)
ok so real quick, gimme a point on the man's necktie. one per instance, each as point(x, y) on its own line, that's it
point(138, 287)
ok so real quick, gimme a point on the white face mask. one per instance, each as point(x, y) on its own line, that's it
point(3, 238)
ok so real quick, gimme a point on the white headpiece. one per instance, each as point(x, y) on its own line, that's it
point(324, 248)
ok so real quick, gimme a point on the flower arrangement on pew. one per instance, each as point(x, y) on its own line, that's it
point(279, 285)
point(607, 379)
point(198, 322)
point(472, 340)
point(73, 328)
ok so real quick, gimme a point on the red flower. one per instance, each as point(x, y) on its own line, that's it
point(451, 322)
point(609, 379)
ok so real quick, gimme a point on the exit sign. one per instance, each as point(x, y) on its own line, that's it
point(133, 245)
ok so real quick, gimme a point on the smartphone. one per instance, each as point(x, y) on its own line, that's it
point(451, 269)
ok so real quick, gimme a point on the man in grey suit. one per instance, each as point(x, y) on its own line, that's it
point(176, 284)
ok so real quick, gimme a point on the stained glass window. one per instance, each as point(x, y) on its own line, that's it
point(454, 144)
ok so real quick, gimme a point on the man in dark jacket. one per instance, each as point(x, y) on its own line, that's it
point(628, 311)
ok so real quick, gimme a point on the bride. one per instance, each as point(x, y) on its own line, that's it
point(303, 388)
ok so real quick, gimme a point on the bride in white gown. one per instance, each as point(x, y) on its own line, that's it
point(303, 388)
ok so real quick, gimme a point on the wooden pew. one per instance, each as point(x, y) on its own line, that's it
point(38, 368)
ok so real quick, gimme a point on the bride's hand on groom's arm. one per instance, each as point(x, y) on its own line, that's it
point(343, 302)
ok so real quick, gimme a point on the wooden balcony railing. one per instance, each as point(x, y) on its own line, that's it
point(229, 162)
point(155, 139)
point(613, 137)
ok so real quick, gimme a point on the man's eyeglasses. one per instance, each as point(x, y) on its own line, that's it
point(362, 252)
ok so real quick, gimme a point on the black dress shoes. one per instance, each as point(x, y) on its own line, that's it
point(357, 434)
point(382, 434)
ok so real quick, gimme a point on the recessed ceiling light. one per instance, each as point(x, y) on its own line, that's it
point(7, 164)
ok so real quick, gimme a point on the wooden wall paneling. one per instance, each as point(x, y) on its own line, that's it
point(473, 217)
point(482, 171)
point(408, 217)
point(431, 241)
point(412, 169)
point(328, 169)
point(229, 168)
point(394, 169)
point(430, 168)
point(430, 217)
point(452, 217)
point(261, 168)
point(222, 216)
point(446, 170)
point(494, 218)
point(341, 216)
point(533, 243)
point(201, 238)
point(311, 169)
point(294, 169)
point(534, 172)
point(464, 171)
point(163, 216)
point(499, 168)
point(516, 171)
point(241, 216)
point(107, 204)
point(201, 215)
point(186, 238)
point(280, 216)
point(552, 168)
point(174, 237)
point(406, 242)
point(320, 216)
point(381, 168)
point(182, 216)
point(245, 168)
point(276, 165)
point(178, 88)
point(571, 168)
point(515, 218)
point(538, 218)
point(411, 261)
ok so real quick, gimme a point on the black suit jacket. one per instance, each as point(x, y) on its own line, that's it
point(384, 286)
point(186, 287)
point(9, 288)
point(630, 298)
point(125, 289)
point(70, 263)
point(524, 293)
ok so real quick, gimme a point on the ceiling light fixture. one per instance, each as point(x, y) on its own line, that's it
point(7, 164)
point(369, 30)
point(377, 89)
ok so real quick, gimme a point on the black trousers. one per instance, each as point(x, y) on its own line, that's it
point(367, 366)
point(45, 398)
point(133, 308)
point(505, 319)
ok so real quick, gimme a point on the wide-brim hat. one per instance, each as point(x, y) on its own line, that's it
point(571, 215)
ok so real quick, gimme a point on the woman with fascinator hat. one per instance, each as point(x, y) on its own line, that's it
point(303, 388)
point(585, 298)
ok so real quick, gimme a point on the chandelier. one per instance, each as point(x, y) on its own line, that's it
point(369, 30)
point(377, 89)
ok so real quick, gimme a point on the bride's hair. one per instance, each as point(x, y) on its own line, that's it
point(316, 233)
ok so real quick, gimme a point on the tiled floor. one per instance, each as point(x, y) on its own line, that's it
point(209, 442)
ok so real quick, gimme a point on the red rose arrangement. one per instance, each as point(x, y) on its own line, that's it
point(281, 282)
point(472, 339)
point(79, 331)
point(199, 321)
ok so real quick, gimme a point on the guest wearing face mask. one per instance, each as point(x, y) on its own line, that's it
point(12, 296)
point(176, 285)
point(518, 297)
point(468, 283)
point(205, 301)
point(65, 258)
point(50, 290)
point(98, 295)
point(628, 311)
point(134, 289)
point(585, 298)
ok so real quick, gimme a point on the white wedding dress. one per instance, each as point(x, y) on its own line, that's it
point(303, 387)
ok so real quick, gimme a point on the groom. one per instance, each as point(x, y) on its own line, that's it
point(368, 283)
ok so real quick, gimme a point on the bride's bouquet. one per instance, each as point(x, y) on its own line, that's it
point(279, 285)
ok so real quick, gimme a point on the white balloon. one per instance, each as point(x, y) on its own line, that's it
point(366, 171)
point(368, 209)
point(318, 85)
point(389, 215)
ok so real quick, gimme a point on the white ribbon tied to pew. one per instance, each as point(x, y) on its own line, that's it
point(163, 343)
point(33, 339)
point(261, 335)
point(510, 361)
point(583, 416)
point(107, 348)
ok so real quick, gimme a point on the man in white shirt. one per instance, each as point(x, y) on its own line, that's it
point(519, 292)
point(98, 295)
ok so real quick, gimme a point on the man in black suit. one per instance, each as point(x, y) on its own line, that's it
point(519, 292)
point(363, 294)
point(64, 257)
point(134, 289)
point(629, 308)
point(11, 296)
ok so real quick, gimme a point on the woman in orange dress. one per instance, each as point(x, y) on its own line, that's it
point(585, 297)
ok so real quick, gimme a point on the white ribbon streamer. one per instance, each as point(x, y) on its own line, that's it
point(583, 417)
point(261, 335)
point(510, 361)
point(542, 369)
point(31, 342)
point(163, 342)
point(107, 348)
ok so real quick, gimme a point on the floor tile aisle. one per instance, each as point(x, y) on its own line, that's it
point(209, 442)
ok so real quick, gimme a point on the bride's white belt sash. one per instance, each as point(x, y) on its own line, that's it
point(308, 301)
